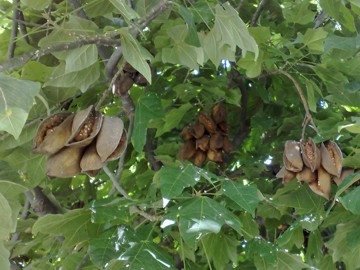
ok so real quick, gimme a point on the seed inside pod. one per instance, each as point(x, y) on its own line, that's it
point(207, 122)
point(331, 158)
point(310, 154)
point(292, 156)
point(187, 150)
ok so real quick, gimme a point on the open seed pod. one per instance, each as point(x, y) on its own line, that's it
point(199, 158)
point(292, 156)
point(310, 154)
point(109, 136)
point(331, 158)
point(306, 175)
point(324, 181)
point(53, 133)
point(119, 149)
point(91, 160)
point(218, 113)
point(344, 173)
point(315, 187)
point(86, 125)
point(186, 133)
point(207, 122)
point(216, 141)
point(187, 150)
point(203, 143)
point(197, 130)
point(65, 163)
point(286, 175)
point(214, 155)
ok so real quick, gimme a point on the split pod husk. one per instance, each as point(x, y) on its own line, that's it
point(331, 158)
point(292, 157)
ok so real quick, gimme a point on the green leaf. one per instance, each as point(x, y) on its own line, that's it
point(37, 4)
point(172, 118)
point(5, 217)
point(35, 71)
point(252, 67)
point(11, 189)
point(16, 100)
point(314, 39)
point(107, 210)
point(173, 180)
point(244, 196)
point(314, 246)
point(4, 256)
point(262, 250)
point(292, 236)
point(135, 54)
point(287, 261)
point(298, 12)
point(231, 30)
point(202, 215)
point(191, 37)
point(310, 222)
point(148, 108)
point(61, 78)
point(75, 226)
point(351, 201)
point(220, 248)
point(81, 58)
point(250, 228)
point(127, 12)
point(337, 10)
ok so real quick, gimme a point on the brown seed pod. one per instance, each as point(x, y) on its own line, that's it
point(286, 175)
point(216, 141)
point(119, 149)
point(199, 158)
point(208, 122)
point(310, 154)
point(129, 68)
point(227, 147)
point(140, 80)
point(109, 136)
point(203, 143)
point(218, 113)
point(331, 158)
point(53, 133)
point(315, 187)
point(187, 150)
point(65, 163)
point(324, 182)
point(86, 125)
point(123, 85)
point(91, 160)
point(292, 157)
point(186, 133)
point(223, 126)
point(197, 130)
point(214, 155)
point(345, 173)
point(306, 175)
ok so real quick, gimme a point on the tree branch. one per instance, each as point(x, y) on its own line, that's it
point(149, 151)
point(40, 202)
point(14, 30)
point(23, 27)
point(257, 13)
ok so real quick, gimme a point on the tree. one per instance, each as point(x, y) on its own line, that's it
point(214, 98)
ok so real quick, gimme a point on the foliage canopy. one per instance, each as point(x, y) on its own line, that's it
point(270, 63)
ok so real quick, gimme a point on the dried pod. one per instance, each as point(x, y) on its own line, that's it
point(65, 163)
point(214, 155)
point(331, 158)
point(199, 158)
point(91, 160)
point(109, 136)
point(123, 85)
point(286, 175)
point(227, 147)
point(129, 68)
point(223, 126)
point(292, 157)
point(306, 175)
point(345, 173)
point(86, 125)
point(324, 182)
point(216, 141)
point(186, 133)
point(310, 154)
point(53, 133)
point(315, 187)
point(218, 113)
point(119, 149)
point(197, 130)
point(203, 143)
point(187, 150)
point(208, 122)
point(92, 173)
point(140, 80)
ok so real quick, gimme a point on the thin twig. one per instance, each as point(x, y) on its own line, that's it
point(14, 30)
point(258, 12)
point(115, 183)
point(149, 151)
point(23, 27)
point(150, 217)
